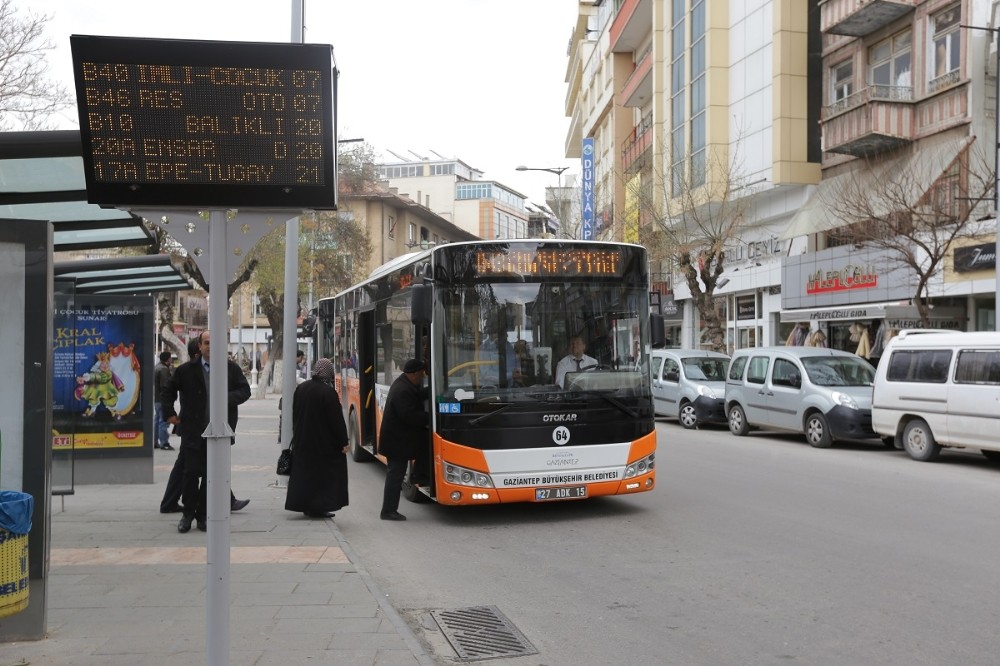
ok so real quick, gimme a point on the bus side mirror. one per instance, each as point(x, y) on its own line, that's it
point(421, 304)
point(657, 336)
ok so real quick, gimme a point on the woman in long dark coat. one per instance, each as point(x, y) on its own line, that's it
point(317, 485)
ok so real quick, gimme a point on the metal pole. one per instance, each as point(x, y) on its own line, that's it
point(253, 344)
point(996, 188)
point(217, 437)
point(291, 283)
point(239, 322)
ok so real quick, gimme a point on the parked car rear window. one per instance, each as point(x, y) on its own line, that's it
point(919, 365)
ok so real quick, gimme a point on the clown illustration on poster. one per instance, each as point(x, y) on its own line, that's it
point(99, 363)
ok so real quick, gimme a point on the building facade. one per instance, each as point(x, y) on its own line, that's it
point(458, 193)
point(786, 100)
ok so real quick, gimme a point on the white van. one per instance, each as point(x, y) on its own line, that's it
point(824, 393)
point(939, 389)
point(689, 385)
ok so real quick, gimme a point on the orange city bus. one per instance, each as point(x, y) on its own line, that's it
point(493, 319)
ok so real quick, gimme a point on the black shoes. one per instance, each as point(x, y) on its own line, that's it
point(202, 525)
point(167, 447)
point(319, 514)
point(392, 515)
point(185, 525)
point(236, 504)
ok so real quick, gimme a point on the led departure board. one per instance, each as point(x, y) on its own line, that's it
point(201, 123)
point(556, 262)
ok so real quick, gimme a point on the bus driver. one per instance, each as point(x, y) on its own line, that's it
point(574, 361)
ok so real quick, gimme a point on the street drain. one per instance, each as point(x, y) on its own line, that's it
point(482, 632)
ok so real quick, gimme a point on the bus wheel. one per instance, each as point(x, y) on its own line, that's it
point(358, 454)
point(410, 491)
point(919, 441)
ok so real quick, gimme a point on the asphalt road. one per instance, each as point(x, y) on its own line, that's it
point(753, 550)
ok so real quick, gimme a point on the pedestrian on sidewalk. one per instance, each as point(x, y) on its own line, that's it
point(403, 433)
point(175, 482)
point(191, 382)
point(161, 377)
point(317, 485)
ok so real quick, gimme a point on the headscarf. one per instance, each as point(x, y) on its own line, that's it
point(323, 370)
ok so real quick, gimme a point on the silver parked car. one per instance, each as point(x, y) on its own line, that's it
point(824, 393)
point(689, 385)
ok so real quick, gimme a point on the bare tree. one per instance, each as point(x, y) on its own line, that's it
point(28, 98)
point(882, 206)
point(687, 221)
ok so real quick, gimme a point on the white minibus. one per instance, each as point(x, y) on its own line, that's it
point(934, 390)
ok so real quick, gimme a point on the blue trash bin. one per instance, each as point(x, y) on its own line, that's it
point(15, 523)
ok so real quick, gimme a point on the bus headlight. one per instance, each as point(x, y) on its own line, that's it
point(640, 466)
point(460, 476)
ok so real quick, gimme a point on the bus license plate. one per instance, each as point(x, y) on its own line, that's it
point(563, 492)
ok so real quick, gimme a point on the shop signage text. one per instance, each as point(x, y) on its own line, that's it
point(851, 277)
point(975, 258)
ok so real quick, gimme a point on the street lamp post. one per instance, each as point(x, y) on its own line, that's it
point(558, 171)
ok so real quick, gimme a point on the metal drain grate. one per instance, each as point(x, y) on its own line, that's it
point(482, 632)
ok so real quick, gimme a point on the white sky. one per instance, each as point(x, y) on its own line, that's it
point(478, 80)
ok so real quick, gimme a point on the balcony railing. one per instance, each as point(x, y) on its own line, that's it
point(638, 142)
point(876, 92)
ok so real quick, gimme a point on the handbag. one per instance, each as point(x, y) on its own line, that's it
point(285, 462)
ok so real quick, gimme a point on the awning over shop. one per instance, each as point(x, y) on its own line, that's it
point(839, 312)
point(920, 170)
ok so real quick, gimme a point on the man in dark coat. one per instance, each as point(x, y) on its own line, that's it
point(175, 482)
point(317, 485)
point(403, 433)
point(191, 382)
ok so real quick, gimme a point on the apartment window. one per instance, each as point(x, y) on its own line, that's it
point(889, 67)
point(411, 234)
point(391, 227)
point(442, 169)
point(946, 41)
point(698, 97)
point(678, 80)
point(842, 81)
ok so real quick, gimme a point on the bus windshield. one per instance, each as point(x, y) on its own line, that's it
point(549, 340)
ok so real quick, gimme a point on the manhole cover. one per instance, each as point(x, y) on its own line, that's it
point(482, 632)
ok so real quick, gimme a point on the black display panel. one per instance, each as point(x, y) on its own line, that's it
point(203, 123)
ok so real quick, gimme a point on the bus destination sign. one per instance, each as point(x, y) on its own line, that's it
point(202, 123)
point(569, 262)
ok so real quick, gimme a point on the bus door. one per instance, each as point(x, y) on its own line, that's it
point(366, 375)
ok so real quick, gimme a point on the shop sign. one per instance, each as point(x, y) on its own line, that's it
point(975, 258)
point(746, 307)
point(851, 277)
point(951, 319)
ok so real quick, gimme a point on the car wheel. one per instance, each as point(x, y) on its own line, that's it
point(992, 456)
point(687, 416)
point(818, 431)
point(738, 421)
point(918, 441)
point(358, 453)
point(410, 491)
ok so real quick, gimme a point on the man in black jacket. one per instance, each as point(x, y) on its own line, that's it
point(191, 382)
point(403, 433)
point(175, 482)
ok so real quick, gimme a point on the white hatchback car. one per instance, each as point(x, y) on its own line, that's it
point(689, 385)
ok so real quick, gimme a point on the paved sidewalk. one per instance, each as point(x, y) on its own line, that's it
point(126, 588)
